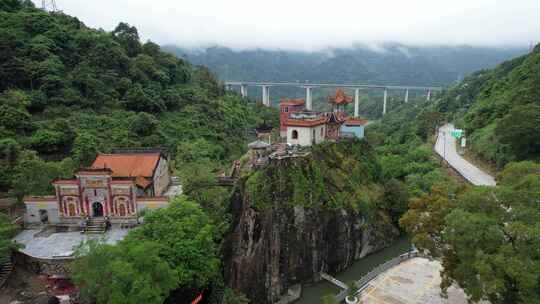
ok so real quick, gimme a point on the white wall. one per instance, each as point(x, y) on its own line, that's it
point(305, 135)
point(32, 211)
point(161, 177)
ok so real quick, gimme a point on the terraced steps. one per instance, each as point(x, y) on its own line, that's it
point(6, 268)
point(95, 226)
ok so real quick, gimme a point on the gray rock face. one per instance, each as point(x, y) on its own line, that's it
point(271, 250)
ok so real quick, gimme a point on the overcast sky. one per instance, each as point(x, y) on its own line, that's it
point(314, 24)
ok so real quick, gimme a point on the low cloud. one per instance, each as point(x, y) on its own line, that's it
point(310, 25)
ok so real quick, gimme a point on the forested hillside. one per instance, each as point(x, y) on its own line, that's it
point(391, 63)
point(68, 91)
point(500, 109)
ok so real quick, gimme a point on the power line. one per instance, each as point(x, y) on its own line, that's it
point(48, 5)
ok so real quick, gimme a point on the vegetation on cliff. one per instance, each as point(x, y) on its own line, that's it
point(344, 175)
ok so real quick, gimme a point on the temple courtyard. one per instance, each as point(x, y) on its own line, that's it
point(414, 281)
point(47, 243)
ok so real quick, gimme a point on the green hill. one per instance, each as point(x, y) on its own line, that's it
point(68, 91)
point(500, 109)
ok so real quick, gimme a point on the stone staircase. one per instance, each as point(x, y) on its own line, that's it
point(95, 226)
point(6, 267)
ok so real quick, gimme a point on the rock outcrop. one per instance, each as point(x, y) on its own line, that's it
point(280, 243)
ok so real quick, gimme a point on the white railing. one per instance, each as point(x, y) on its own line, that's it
point(363, 283)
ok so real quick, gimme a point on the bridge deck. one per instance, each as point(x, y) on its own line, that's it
point(334, 85)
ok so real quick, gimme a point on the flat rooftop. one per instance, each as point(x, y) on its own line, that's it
point(41, 243)
point(413, 281)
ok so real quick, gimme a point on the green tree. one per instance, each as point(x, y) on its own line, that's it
point(232, 297)
point(519, 129)
point(85, 148)
point(32, 175)
point(185, 236)
point(131, 272)
point(128, 37)
point(7, 232)
point(144, 124)
point(487, 236)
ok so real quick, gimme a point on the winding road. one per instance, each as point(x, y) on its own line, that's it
point(446, 148)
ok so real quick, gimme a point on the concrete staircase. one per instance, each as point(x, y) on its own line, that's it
point(95, 226)
point(6, 267)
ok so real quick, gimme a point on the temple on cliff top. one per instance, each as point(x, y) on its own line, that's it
point(305, 128)
point(116, 186)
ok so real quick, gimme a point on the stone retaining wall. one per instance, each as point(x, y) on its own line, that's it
point(58, 267)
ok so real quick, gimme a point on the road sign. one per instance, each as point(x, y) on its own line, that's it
point(457, 133)
point(463, 142)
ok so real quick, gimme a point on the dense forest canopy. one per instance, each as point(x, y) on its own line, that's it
point(389, 63)
point(68, 92)
point(500, 109)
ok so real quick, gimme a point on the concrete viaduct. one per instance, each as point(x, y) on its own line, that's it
point(265, 86)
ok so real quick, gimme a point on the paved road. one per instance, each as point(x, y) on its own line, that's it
point(446, 148)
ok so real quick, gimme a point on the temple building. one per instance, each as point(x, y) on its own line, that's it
point(288, 107)
point(116, 186)
point(353, 127)
point(337, 116)
point(305, 128)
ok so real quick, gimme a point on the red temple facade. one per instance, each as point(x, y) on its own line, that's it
point(116, 186)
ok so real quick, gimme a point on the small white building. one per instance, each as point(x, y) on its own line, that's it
point(306, 128)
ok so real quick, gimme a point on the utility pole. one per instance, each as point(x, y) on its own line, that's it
point(48, 5)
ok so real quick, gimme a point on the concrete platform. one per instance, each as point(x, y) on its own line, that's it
point(414, 281)
point(39, 244)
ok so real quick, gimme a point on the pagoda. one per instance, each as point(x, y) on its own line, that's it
point(337, 116)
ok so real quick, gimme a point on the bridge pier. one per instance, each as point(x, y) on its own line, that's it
point(356, 102)
point(384, 101)
point(266, 95)
point(243, 90)
point(309, 101)
point(406, 95)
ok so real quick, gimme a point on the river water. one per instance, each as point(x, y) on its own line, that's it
point(312, 294)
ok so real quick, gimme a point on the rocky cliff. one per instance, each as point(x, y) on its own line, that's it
point(300, 216)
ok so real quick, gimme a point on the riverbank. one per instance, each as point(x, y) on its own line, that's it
point(313, 293)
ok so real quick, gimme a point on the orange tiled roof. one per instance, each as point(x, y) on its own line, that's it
point(292, 102)
point(340, 98)
point(142, 182)
point(355, 121)
point(306, 122)
point(128, 164)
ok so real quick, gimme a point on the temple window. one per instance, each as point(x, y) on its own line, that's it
point(294, 134)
